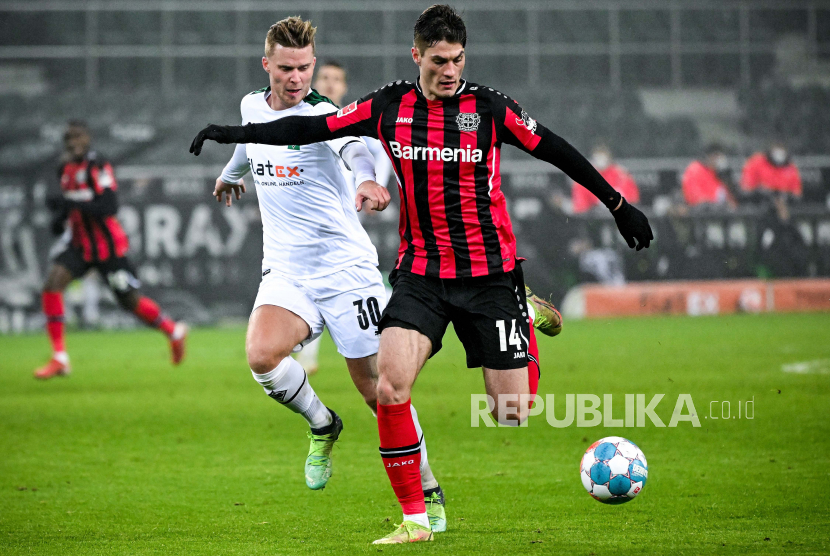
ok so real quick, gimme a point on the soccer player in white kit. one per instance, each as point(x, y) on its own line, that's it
point(319, 267)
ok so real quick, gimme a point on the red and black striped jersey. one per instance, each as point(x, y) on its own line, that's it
point(453, 221)
point(90, 186)
point(445, 153)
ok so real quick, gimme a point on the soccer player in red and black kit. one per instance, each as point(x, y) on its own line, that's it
point(95, 239)
point(457, 260)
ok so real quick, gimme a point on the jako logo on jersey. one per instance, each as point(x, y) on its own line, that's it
point(527, 121)
point(347, 109)
point(401, 464)
point(434, 153)
point(468, 121)
point(403, 121)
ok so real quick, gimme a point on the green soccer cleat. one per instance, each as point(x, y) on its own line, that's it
point(408, 531)
point(435, 510)
point(318, 462)
point(548, 321)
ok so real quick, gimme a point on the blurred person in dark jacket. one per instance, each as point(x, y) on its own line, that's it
point(772, 179)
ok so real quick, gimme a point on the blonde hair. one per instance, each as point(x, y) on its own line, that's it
point(291, 32)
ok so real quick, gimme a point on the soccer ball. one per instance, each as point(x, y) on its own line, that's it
point(613, 470)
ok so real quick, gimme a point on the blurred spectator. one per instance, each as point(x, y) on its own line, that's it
point(771, 172)
point(708, 181)
point(583, 200)
point(771, 178)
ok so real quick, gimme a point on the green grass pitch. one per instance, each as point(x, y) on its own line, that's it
point(132, 456)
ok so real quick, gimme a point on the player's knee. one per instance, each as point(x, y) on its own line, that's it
point(262, 360)
point(509, 411)
point(391, 394)
point(128, 300)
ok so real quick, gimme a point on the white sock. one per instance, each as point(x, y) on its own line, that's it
point(428, 480)
point(288, 384)
point(420, 519)
point(61, 357)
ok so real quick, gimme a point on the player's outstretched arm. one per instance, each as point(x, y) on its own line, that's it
point(104, 204)
point(291, 130)
point(520, 130)
point(631, 222)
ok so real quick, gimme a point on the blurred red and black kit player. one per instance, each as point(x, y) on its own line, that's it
point(84, 215)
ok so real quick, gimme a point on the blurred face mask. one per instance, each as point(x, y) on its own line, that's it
point(721, 163)
point(601, 160)
point(778, 155)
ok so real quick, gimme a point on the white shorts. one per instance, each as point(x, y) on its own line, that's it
point(349, 302)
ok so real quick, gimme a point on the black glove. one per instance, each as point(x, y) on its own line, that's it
point(220, 133)
point(633, 224)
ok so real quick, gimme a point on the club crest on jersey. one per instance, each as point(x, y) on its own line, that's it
point(347, 110)
point(468, 121)
point(527, 121)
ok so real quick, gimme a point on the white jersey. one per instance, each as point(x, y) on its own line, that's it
point(309, 224)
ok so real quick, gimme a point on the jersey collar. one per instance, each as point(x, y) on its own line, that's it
point(458, 91)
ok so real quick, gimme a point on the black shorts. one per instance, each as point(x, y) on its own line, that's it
point(488, 313)
point(117, 271)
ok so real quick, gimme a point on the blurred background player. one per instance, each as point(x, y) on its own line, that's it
point(616, 176)
point(96, 240)
point(319, 267)
point(707, 182)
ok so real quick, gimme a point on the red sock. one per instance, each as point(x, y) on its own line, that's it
point(147, 310)
point(533, 370)
point(401, 453)
point(53, 309)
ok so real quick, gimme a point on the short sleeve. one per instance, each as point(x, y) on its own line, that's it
point(361, 117)
point(514, 126)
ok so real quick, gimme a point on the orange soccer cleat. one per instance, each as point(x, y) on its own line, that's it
point(177, 339)
point(52, 369)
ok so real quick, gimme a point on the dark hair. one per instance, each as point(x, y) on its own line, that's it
point(81, 124)
point(713, 148)
point(439, 23)
point(333, 64)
